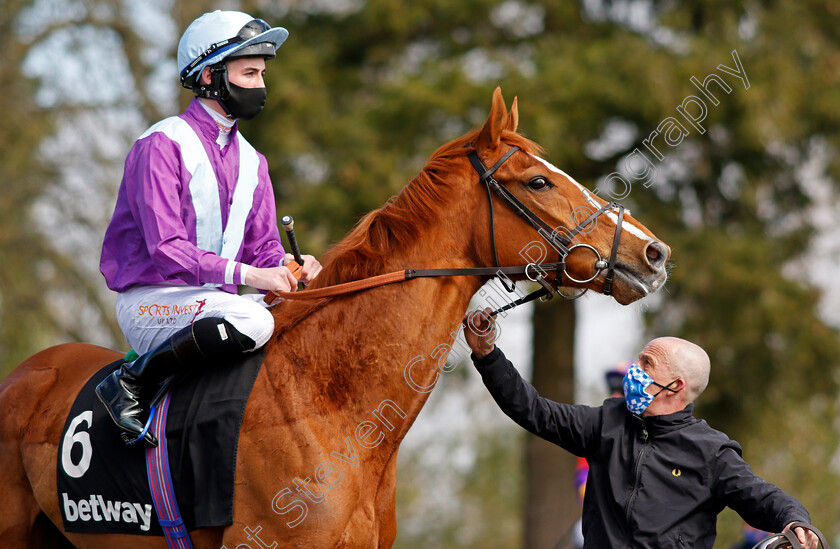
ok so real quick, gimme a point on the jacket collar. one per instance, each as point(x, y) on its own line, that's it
point(670, 422)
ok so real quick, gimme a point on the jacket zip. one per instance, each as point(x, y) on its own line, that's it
point(637, 472)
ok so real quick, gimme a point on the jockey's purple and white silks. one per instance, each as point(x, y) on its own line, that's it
point(188, 212)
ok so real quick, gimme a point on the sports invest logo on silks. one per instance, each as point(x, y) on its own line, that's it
point(98, 509)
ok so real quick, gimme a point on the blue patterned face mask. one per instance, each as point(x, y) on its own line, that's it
point(636, 381)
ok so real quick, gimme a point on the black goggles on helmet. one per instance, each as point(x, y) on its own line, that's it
point(253, 28)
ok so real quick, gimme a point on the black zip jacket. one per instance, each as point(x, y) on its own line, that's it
point(656, 482)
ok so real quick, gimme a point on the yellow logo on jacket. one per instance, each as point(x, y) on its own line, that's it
point(676, 472)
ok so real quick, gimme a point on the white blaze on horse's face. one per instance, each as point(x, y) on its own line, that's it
point(627, 226)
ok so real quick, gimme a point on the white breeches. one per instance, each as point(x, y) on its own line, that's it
point(149, 315)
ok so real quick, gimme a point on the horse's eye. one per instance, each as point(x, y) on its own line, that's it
point(539, 183)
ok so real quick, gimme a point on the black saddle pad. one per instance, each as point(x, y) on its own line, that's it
point(102, 482)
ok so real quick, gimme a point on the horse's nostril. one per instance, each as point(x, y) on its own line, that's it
point(656, 254)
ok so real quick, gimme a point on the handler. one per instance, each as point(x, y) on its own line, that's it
point(658, 476)
point(195, 217)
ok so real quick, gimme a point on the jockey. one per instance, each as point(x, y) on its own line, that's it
point(195, 217)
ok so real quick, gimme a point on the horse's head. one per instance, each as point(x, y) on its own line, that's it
point(541, 215)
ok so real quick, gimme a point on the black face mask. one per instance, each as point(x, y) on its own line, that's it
point(243, 103)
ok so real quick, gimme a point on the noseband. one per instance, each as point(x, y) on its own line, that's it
point(560, 242)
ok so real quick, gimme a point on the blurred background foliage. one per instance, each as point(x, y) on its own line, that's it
point(365, 90)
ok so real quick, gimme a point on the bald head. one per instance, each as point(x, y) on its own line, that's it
point(682, 359)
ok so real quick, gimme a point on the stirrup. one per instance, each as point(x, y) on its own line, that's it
point(144, 435)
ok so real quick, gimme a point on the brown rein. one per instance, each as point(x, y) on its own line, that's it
point(339, 289)
point(409, 274)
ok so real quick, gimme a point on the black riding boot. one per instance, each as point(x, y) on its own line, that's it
point(127, 392)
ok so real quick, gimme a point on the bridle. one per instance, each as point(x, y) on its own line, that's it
point(562, 244)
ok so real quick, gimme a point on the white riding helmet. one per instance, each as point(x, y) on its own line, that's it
point(222, 35)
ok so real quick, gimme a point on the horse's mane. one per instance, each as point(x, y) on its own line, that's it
point(365, 250)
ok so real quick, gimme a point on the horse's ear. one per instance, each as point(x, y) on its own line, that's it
point(491, 133)
point(513, 116)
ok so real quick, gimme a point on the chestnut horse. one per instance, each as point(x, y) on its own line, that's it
point(344, 377)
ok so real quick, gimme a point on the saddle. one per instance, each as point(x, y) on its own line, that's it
point(102, 482)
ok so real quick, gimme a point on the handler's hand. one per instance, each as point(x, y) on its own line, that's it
point(480, 331)
point(807, 538)
point(311, 267)
point(272, 279)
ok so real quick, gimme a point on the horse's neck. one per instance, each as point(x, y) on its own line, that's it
point(383, 349)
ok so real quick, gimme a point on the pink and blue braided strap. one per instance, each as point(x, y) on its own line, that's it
point(160, 482)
